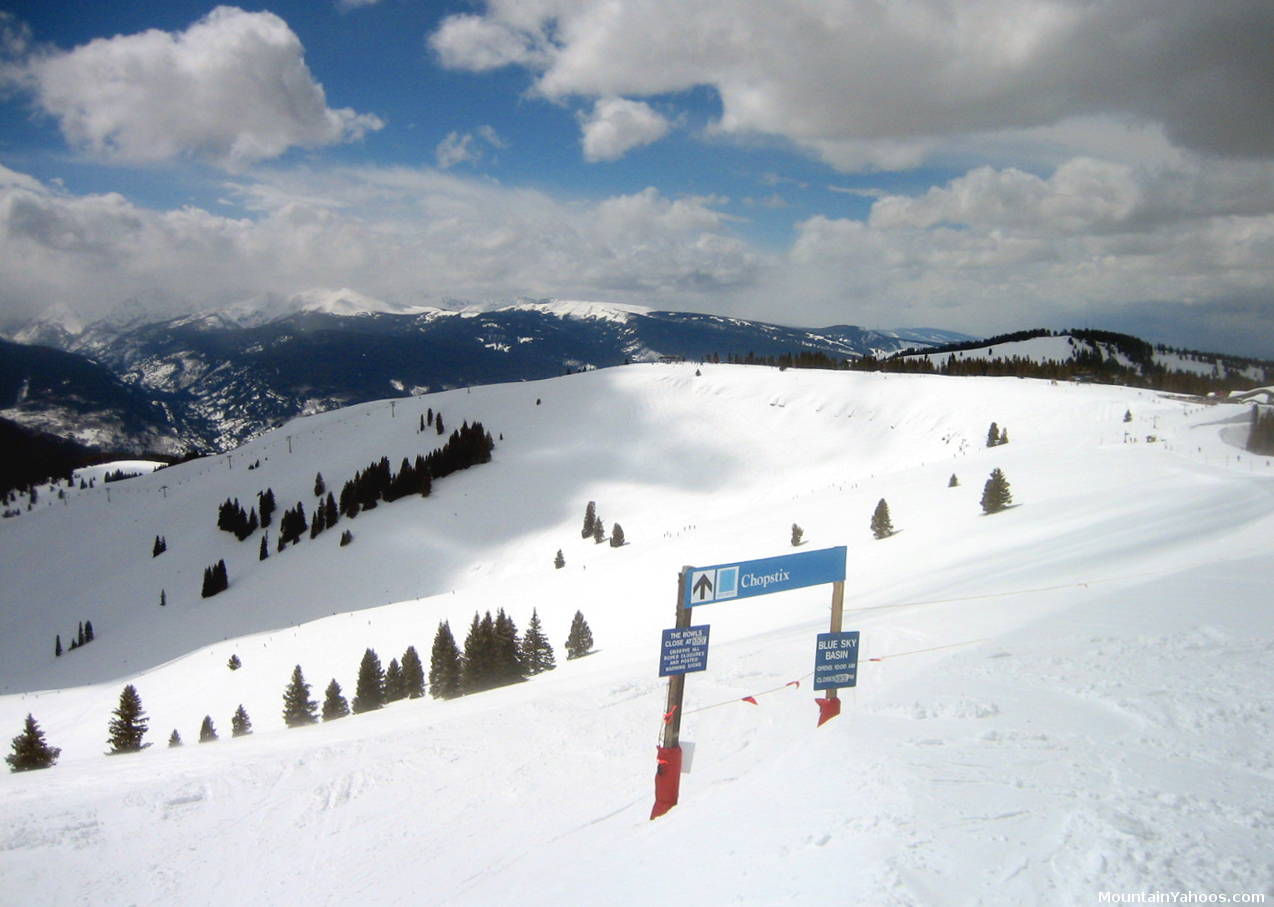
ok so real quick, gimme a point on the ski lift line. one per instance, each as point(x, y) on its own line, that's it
point(752, 697)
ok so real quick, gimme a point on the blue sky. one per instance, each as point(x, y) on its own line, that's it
point(978, 165)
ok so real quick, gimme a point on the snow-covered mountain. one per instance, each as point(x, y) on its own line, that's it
point(1066, 698)
point(219, 378)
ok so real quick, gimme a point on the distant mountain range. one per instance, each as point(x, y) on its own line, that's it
point(212, 381)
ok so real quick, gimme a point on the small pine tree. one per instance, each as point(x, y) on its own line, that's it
point(159, 547)
point(234, 663)
point(993, 435)
point(559, 562)
point(445, 668)
point(995, 494)
point(882, 526)
point(506, 651)
point(590, 519)
point(394, 688)
point(298, 708)
point(537, 653)
point(579, 641)
point(617, 536)
point(953, 482)
point(346, 538)
point(88, 631)
point(240, 724)
point(369, 693)
point(599, 531)
point(334, 704)
point(1004, 436)
point(57, 646)
point(79, 634)
point(797, 534)
point(163, 599)
point(264, 551)
point(319, 486)
point(413, 674)
point(129, 724)
point(207, 733)
point(174, 739)
point(30, 751)
point(1127, 415)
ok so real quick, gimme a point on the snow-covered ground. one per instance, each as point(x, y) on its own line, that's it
point(1067, 698)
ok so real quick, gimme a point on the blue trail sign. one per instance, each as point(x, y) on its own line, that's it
point(683, 650)
point(743, 579)
point(836, 660)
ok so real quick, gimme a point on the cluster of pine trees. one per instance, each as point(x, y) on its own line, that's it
point(995, 436)
point(215, 579)
point(1260, 439)
point(232, 518)
point(83, 636)
point(595, 528)
point(160, 546)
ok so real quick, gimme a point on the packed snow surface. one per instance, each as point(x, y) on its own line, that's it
point(1066, 698)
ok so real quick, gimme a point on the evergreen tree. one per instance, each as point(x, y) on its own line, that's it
point(477, 668)
point(995, 494)
point(590, 520)
point(506, 651)
point(413, 674)
point(174, 739)
point(159, 547)
point(445, 665)
point(559, 562)
point(264, 552)
point(331, 512)
point(129, 724)
point(881, 525)
point(537, 653)
point(57, 646)
point(163, 598)
point(599, 531)
point(617, 536)
point(346, 538)
point(993, 435)
point(1004, 436)
point(394, 688)
point(233, 663)
point(240, 724)
point(207, 733)
point(79, 634)
point(334, 704)
point(88, 631)
point(438, 423)
point(953, 481)
point(369, 693)
point(797, 534)
point(579, 641)
point(30, 752)
point(267, 506)
point(298, 708)
point(319, 486)
point(1127, 415)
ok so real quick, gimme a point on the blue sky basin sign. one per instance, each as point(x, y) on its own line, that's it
point(743, 579)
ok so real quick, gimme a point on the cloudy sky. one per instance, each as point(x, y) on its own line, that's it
point(978, 165)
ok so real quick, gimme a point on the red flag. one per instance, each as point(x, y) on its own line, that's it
point(750, 699)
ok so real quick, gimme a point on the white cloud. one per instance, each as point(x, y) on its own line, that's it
point(868, 85)
point(232, 89)
point(467, 148)
point(398, 234)
point(617, 126)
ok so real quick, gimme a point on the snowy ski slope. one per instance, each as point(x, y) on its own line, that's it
point(1066, 698)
